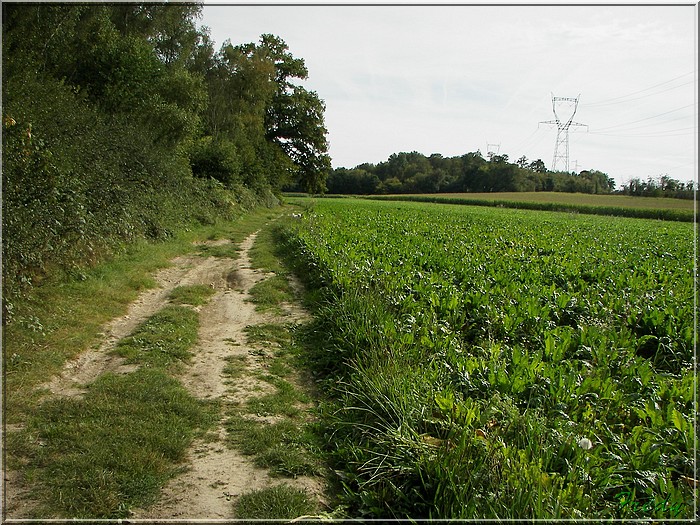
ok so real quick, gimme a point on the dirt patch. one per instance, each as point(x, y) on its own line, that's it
point(18, 502)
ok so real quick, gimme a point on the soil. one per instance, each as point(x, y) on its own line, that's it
point(214, 475)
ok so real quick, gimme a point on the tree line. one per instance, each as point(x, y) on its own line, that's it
point(662, 186)
point(121, 121)
point(416, 173)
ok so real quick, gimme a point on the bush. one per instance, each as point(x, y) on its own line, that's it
point(216, 159)
point(78, 184)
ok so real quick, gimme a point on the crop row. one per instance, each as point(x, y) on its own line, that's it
point(663, 213)
point(491, 363)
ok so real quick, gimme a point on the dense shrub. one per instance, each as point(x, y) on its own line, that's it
point(77, 184)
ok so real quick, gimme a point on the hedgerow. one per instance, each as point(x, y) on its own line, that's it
point(78, 185)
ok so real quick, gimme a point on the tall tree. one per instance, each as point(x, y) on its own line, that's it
point(295, 119)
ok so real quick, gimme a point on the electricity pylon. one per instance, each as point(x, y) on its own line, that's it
point(561, 147)
point(492, 149)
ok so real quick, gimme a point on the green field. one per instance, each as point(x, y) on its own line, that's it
point(622, 201)
point(497, 363)
point(609, 205)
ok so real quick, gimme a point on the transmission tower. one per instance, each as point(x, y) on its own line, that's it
point(492, 149)
point(561, 147)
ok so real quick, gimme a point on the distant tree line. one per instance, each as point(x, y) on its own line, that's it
point(663, 186)
point(415, 173)
point(121, 120)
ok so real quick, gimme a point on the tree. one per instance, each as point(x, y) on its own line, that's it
point(498, 159)
point(295, 123)
point(600, 182)
point(295, 118)
point(522, 162)
point(538, 166)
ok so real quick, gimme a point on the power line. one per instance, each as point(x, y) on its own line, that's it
point(647, 118)
point(526, 140)
point(648, 125)
point(616, 100)
point(643, 96)
point(665, 133)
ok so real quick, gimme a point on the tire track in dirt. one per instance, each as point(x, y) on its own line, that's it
point(217, 475)
point(88, 366)
point(185, 270)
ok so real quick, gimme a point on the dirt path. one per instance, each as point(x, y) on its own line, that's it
point(214, 475)
point(217, 475)
point(186, 270)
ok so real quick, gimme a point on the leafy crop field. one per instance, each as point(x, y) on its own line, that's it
point(498, 363)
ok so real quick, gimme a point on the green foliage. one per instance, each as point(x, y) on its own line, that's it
point(662, 186)
point(469, 352)
point(109, 111)
point(251, 89)
point(77, 185)
point(216, 160)
point(281, 502)
point(415, 173)
point(666, 214)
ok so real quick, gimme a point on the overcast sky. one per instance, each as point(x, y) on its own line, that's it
point(460, 78)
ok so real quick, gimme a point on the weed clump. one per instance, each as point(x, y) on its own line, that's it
point(280, 502)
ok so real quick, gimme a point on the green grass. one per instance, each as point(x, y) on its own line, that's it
point(64, 317)
point(289, 446)
point(226, 251)
point(280, 502)
point(163, 339)
point(267, 295)
point(268, 333)
point(608, 205)
point(667, 209)
point(235, 366)
point(99, 456)
point(237, 231)
point(622, 201)
point(284, 401)
point(195, 295)
point(265, 253)
point(286, 448)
